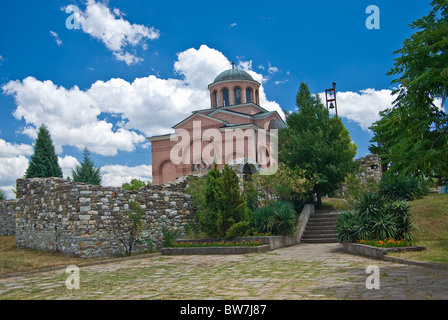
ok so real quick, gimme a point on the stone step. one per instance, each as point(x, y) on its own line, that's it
point(318, 235)
point(321, 240)
point(331, 219)
point(321, 228)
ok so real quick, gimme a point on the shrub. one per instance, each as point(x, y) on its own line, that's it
point(219, 202)
point(403, 188)
point(375, 217)
point(169, 236)
point(278, 218)
point(239, 229)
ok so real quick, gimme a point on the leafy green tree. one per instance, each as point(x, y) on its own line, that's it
point(135, 184)
point(44, 161)
point(411, 138)
point(220, 202)
point(317, 143)
point(422, 64)
point(289, 185)
point(2, 195)
point(86, 172)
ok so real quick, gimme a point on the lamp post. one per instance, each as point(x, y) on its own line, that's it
point(330, 95)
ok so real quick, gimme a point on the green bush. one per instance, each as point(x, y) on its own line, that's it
point(219, 202)
point(403, 188)
point(238, 229)
point(375, 217)
point(278, 218)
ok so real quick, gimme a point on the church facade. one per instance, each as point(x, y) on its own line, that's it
point(235, 130)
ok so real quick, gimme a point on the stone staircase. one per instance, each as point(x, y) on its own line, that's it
point(321, 228)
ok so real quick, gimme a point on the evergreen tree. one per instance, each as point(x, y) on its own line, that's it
point(224, 205)
point(316, 143)
point(87, 172)
point(44, 161)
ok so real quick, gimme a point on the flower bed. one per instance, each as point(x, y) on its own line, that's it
point(387, 243)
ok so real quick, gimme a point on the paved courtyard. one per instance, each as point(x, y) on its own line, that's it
point(306, 271)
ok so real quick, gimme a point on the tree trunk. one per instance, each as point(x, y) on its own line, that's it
point(319, 198)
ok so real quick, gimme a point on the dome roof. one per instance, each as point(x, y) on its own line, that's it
point(233, 74)
point(275, 124)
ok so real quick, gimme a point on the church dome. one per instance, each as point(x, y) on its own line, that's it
point(275, 124)
point(233, 74)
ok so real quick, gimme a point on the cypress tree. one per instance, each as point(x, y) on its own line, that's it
point(44, 161)
point(87, 172)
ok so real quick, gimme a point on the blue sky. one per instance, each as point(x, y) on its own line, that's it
point(132, 69)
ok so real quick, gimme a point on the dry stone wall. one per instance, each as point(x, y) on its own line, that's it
point(371, 168)
point(7, 217)
point(75, 218)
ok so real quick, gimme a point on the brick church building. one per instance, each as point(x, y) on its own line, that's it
point(235, 130)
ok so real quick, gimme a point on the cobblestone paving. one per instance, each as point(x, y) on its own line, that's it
point(307, 271)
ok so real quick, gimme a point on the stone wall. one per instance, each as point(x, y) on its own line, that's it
point(370, 168)
point(7, 217)
point(75, 218)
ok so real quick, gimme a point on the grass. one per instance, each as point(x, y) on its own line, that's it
point(430, 216)
point(332, 204)
point(15, 260)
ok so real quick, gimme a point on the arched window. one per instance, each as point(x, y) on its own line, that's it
point(237, 92)
point(248, 95)
point(225, 97)
point(215, 98)
point(256, 98)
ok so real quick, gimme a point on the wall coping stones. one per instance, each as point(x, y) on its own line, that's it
point(375, 252)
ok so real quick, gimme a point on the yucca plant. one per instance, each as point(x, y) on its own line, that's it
point(402, 187)
point(370, 204)
point(346, 227)
point(278, 217)
point(375, 217)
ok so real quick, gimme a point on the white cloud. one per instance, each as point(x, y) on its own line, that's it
point(13, 164)
point(280, 81)
point(110, 28)
point(67, 164)
point(71, 116)
point(200, 67)
point(1, 60)
point(233, 24)
point(56, 38)
point(272, 70)
point(127, 57)
point(116, 175)
point(8, 150)
point(363, 107)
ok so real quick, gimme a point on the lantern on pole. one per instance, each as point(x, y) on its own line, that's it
point(330, 95)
